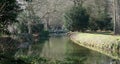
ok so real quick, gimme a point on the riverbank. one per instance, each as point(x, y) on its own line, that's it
point(108, 44)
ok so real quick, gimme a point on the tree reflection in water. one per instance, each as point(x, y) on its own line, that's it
point(54, 50)
point(8, 48)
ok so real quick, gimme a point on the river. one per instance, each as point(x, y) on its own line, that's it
point(63, 49)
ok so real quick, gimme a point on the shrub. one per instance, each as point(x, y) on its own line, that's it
point(76, 19)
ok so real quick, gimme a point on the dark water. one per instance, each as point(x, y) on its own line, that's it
point(61, 48)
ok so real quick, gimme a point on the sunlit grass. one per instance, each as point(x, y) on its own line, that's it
point(110, 44)
point(99, 40)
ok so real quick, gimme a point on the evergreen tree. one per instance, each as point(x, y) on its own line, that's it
point(76, 19)
point(9, 10)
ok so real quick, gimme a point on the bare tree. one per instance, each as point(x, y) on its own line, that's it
point(50, 11)
point(78, 2)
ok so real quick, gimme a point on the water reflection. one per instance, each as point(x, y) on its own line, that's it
point(54, 48)
point(59, 50)
point(33, 49)
point(8, 48)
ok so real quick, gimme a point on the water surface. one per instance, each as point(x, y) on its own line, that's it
point(62, 48)
point(54, 50)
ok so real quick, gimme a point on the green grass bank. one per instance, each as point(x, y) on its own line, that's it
point(107, 44)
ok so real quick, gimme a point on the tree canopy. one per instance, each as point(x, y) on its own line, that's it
point(9, 10)
point(76, 19)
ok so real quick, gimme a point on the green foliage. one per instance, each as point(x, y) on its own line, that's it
point(9, 10)
point(101, 22)
point(42, 60)
point(21, 27)
point(44, 33)
point(33, 59)
point(37, 28)
point(76, 19)
point(24, 18)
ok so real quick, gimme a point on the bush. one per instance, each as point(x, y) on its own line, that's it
point(76, 19)
point(44, 33)
point(101, 22)
point(37, 28)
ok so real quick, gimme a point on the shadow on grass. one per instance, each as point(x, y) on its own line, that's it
point(104, 33)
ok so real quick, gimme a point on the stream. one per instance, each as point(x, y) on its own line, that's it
point(62, 48)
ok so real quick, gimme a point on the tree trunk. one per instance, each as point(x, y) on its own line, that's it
point(29, 28)
point(116, 10)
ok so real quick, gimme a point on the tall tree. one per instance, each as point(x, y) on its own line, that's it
point(76, 19)
point(116, 11)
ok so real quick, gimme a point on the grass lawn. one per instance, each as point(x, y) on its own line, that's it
point(98, 39)
point(101, 32)
point(101, 41)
